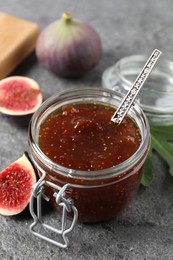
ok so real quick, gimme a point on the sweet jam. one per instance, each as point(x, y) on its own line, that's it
point(81, 136)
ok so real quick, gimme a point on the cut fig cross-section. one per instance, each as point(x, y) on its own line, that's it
point(16, 183)
point(19, 96)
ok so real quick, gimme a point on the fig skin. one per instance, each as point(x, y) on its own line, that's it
point(19, 96)
point(16, 183)
point(69, 48)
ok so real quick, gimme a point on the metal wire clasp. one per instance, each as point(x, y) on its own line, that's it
point(62, 201)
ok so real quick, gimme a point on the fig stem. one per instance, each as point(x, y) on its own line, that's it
point(67, 17)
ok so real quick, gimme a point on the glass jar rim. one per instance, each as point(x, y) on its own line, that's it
point(155, 97)
point(162, 63)
point(89, 175)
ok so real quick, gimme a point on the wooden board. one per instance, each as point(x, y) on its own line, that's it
point(17, 40)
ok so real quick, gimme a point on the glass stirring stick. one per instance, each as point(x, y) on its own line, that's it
point(134, 90)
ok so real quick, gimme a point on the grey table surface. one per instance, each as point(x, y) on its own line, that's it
point(145, 229)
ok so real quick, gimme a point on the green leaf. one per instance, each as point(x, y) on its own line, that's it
point(161, 138)
point(164, 150)
point(147, 176)
point(165, 132)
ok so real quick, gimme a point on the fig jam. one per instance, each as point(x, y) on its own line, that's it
point(81, 136)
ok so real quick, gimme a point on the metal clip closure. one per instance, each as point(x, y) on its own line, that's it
point(62, 201)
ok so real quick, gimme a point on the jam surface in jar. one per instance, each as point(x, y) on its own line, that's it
point(81, 136)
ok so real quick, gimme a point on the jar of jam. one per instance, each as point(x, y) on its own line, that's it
point(88, 166)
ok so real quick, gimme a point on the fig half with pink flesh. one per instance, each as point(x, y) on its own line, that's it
point(16, 183)
point(19, 96)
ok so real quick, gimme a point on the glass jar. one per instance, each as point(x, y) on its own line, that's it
point(96, 195)
point(155, 97)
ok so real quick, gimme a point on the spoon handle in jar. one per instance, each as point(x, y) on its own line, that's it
point(134, 90)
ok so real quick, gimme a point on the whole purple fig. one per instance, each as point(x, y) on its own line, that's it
point(68, 47)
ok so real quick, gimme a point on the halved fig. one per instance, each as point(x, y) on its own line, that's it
point(19, 96)
point(16, 186)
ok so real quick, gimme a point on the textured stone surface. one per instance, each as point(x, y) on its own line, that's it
point(144, 230)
